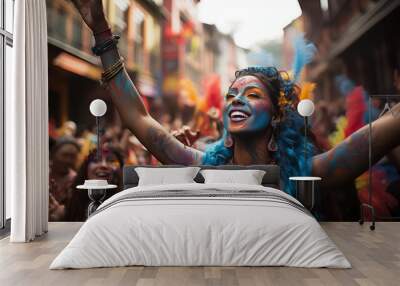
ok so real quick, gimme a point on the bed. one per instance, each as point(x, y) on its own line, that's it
point(198, 224)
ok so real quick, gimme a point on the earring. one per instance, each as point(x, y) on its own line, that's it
point(272, 146)
point(228, 141)
point(275, 122)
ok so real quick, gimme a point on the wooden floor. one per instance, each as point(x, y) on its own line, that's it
point(375, 257)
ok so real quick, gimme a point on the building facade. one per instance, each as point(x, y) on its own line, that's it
point(358, 38)
point(182, 52)
point(74, 71)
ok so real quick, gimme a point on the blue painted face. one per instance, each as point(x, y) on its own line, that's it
point(248, 107)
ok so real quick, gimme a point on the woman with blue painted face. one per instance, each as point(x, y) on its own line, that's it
point(261, 122)
point(262, 125)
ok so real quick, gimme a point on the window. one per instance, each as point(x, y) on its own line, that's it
point(324, 5)
point(77, 33)
point(6, 44)
point(122, 30)
point(60, 24)
point(56, 21)
point(325, 9)
point(9, 12)
point(138, 37)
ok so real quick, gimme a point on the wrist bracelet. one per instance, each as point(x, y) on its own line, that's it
point(106, 45)
point(111, 71)
point(101, 32)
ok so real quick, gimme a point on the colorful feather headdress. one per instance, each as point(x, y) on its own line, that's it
point(304, 52)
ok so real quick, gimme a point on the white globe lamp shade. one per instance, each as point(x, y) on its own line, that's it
point(98, 107)
point(306, 107)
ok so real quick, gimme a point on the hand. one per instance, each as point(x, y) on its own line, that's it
point(53, 187)
point(56, 210)
point(93, 14)
point(186, 136)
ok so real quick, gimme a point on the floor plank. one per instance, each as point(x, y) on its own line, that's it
point(374, 255)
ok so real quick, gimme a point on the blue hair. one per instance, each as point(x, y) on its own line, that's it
point(290, 155)
point(216, 153)
point(289, 132)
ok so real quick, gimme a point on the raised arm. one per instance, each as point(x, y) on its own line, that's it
point(166, 148)
point(349, 159)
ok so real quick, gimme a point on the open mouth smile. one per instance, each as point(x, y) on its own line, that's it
point(238, 115)
point(102, 174)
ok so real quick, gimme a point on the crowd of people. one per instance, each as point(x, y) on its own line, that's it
point(73, 158)
point(336, 120)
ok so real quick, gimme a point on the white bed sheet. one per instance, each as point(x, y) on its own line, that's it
point(200, 232)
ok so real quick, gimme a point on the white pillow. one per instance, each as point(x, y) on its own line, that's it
point(163, 176)
point(248, 177)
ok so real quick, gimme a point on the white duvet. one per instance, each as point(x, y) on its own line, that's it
point(190, 231)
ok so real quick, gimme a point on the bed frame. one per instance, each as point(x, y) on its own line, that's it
point(270, 179)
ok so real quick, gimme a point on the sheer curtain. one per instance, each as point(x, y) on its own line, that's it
point(26, 124)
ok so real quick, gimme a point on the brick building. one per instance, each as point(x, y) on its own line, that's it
point(74, 71)
point(359, 38)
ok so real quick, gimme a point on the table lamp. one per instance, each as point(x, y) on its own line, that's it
point(305, 186)
point(98, 108)
point(305, 108)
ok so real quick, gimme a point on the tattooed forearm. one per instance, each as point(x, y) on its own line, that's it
point(168, 150)
point(346, 160)
point(126, 98)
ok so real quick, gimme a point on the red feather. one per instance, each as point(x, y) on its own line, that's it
point(355, 110)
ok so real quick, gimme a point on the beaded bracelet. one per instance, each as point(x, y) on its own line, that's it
point(112, 71)
point(106, 45)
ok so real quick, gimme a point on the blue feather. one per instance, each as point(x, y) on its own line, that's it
point(303, 54)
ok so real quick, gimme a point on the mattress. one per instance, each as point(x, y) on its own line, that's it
point(201, 225)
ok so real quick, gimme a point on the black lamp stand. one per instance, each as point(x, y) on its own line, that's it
point(98, 153)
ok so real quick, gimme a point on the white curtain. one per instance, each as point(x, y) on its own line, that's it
point(26, 124)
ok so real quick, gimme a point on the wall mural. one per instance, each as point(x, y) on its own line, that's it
point(255, 122)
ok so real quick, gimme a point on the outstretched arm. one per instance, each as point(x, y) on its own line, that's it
point(349, 159)
point(166, 148)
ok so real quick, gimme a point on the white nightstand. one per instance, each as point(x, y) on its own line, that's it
point(97, 190)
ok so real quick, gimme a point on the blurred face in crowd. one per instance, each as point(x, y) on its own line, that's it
point(69, 128)
point(112, 133)
point(65, 157)
point(248, 107)
point(108, 169)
